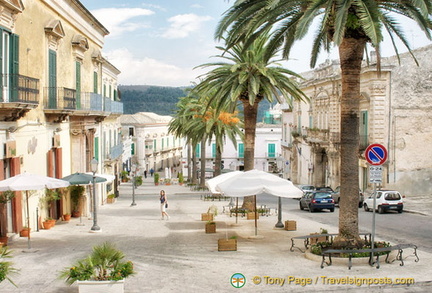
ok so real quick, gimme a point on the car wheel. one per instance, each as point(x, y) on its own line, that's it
point(400, 211)
point(332, 210)
point(366, 207)
point(311, 209)
point(301, 207)
point(380, 210)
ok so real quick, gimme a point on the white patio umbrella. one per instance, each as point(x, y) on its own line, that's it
point(255, 182)
point(26, 182)
point(211, 183)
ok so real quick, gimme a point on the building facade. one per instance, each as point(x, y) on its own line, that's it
point(54, 110)
point(391, 113)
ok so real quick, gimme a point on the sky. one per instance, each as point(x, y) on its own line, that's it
point(160, 42)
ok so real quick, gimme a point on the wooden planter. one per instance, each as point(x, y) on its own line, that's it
point(290, 225)
point(207, 217)
point(210, 227)
point(227, 245)
point(25, 232)
point(101, 286)
point(251, 216)
point(315, 240)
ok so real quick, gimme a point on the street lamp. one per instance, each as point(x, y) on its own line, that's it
point(279, 224)
point(94, 167)
point(133, 170)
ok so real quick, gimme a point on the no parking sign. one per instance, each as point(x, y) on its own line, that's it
point(376, 154)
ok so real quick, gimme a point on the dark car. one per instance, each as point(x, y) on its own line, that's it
point(316, 201)
point(336, 197)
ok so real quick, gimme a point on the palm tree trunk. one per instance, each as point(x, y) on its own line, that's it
point(218, 161)
point(189, 162)
point(351, 55)
point(194, 165)
point(250, 118)
point(203, 162)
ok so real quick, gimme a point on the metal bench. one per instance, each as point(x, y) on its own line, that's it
point(329, 237)
point(375, 252)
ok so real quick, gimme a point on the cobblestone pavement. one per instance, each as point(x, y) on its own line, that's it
point(177, 256)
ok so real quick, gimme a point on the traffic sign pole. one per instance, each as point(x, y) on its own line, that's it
point(376, 155)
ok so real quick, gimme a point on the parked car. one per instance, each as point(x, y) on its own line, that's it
point(316, 201)
point(336, 196)
point(386, 200)
point(324, 188)
point(306, 188)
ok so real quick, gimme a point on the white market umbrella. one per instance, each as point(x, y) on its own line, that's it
point(211, 183)
point(26, 182)
point(255, 182)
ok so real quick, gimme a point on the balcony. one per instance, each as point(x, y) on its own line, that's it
point(19, 94)
point(321, 136)
point(59, 102)
point(113, 107)
point(115, 152)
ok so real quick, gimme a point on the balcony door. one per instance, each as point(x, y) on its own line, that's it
point(52, 79)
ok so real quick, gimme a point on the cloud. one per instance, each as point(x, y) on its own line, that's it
point(149, 71)
point(184, 24)
point(117, 20)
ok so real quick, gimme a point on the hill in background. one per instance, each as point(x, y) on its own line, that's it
point(160, 100)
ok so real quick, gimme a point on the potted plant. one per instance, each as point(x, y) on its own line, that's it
point(111, 198)
point(124, 176)
point(211, 213)
point(156, 178)
point(315, 240)
point(66, 217)
point(180, 178)
point(104, 268)
point(138, 181)
point(228, 244)
point(76, 194)
point(210, 227)
point(25, 231)
point(48, 223)
point(6, 268)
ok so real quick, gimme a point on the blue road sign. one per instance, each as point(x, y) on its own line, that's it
point(376, 154)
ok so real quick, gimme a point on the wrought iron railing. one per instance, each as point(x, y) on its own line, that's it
point(23, 89)
point(60, 98)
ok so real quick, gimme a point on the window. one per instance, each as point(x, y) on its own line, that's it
point(197, 150)
point(52, 79)
point(131, 131)
point(78, 84)
point(240, 149)
point(95, 82)
point(271, 149)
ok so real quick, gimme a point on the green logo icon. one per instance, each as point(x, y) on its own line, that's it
point(238, 280)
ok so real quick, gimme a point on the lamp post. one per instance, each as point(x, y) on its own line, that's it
point(94, 167)
point(279, 224)
point(133, 170)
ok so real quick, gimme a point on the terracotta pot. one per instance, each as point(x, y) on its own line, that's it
point(3, 241)
point(25, 232)
point(47, 225)
point(76, 214)
point(66, 217)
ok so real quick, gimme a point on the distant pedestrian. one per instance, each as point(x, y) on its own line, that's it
point(151, 172)
point(145, 173)
point(164, 204)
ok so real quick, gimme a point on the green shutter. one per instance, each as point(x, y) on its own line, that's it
point(95, 82)
point(133, 149)
point(78, 85)
point(271, 150)
point(115, 95)
point(14, 66)
point(1, 64)
point(154, 145)
point(240, 148)
point(197, 150)
point(214, 150)
point(96, 148)
point(52, 79)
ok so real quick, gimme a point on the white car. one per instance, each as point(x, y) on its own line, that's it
point(386, 200)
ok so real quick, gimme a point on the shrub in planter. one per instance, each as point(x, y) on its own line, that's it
point(6, 268)
point(156, 178)
point(76, 194)
point(105, 263)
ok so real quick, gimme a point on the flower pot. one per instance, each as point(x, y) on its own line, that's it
point(101, 286)
point(111, 200)
point(76, 214)
point(227, 245)
point(3, 241)
point(66, 217)
point(207, 217)
point(47, 225)
point(210, 227)
point(315, 240)
point(25, 232)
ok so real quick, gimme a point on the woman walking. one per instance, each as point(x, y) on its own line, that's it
point(164, 204)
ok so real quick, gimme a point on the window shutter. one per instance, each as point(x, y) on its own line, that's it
point(14, 66)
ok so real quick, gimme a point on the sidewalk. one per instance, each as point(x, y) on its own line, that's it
point(178, 256)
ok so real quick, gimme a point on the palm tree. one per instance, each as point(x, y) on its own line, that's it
point(250, 75)
point(349, 25)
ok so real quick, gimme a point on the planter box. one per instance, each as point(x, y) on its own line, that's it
point(290, 225)
point(251, 216)
point(207, 217)
point(227, 245)
point(210, 228)
point(315, 240)
point(101, 286)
